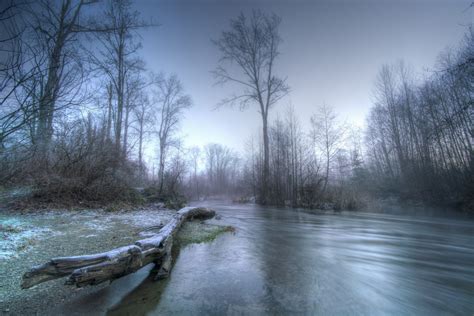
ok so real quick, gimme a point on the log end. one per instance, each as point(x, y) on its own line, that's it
point(39, 274)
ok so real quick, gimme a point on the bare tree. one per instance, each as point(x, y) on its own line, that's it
point(117, 56)
point(221, 165)
point(56, 27)
point(328, 135)
point(195, 156)
point(133, 95)
point(175, 173)
point(252, 43)
point(13, 114)
point(143, 125)
point(171, 102)
point(110, 94)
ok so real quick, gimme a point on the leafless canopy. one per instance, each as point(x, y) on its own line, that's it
point(252, 44)
point(171, 102)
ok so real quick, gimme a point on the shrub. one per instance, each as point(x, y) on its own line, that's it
point(82, 168)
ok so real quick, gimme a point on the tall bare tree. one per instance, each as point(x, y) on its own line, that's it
point(143, 117)
point(171, 102)
point(253, 45)
point(117, 55)
point(328, 136)
point(195, 156)
point(14, 112)
point(133, 95)
point(56, 26)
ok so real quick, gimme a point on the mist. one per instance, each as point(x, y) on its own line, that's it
point(133, 131)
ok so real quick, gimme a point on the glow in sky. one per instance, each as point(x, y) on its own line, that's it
point(331, 53)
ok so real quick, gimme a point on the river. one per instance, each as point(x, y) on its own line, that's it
point(284, 261)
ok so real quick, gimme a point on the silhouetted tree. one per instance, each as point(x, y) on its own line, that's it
point(252, 44)
point(328, 136)
point(171, 103)
point(117, 57)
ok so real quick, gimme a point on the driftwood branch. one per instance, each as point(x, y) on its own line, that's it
point(97, 268)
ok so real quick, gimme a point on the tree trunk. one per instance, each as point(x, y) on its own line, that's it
point(266, 160)
point(107, 266)
point(326, 178)
point(161, 167)
point(120, 95)
point(46, 106)
point(109, 111)
point(140, 148)
point(118, 123)
point(47, 101)
point(125, 131)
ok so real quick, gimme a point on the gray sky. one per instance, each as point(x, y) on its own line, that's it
point(331, 53)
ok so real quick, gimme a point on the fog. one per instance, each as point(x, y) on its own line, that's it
point(331, 52)
point(310, 157)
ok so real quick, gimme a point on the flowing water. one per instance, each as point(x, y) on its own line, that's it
point(283, 261)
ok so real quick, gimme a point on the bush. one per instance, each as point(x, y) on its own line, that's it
point(82, 168)
point(176, 202)
point(152, 194)
point(172, 201)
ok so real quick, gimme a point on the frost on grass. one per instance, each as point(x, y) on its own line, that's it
point(31, 239)
point(16, 235)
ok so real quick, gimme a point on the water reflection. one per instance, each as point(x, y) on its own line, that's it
point(292, 262)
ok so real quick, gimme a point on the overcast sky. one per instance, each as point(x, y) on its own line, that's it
point(331, 53)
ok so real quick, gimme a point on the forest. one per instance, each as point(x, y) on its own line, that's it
point(79, 108)
point(111, 179)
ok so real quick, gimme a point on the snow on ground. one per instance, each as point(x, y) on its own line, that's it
point(16, 234)
point(34, 238)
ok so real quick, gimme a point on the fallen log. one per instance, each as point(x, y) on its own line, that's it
point(97, 268)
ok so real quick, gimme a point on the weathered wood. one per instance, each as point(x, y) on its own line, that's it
point(166, 263)
point(97, 268)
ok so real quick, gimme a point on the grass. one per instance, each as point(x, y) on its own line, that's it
point(197, 232)
point(29, 242)
point(10, 229)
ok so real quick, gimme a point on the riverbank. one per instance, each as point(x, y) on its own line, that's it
point(33, 238)
point(387, 205)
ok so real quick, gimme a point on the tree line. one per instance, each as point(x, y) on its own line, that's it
point(80, 114)
point(420, 132)
point(418, 143)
